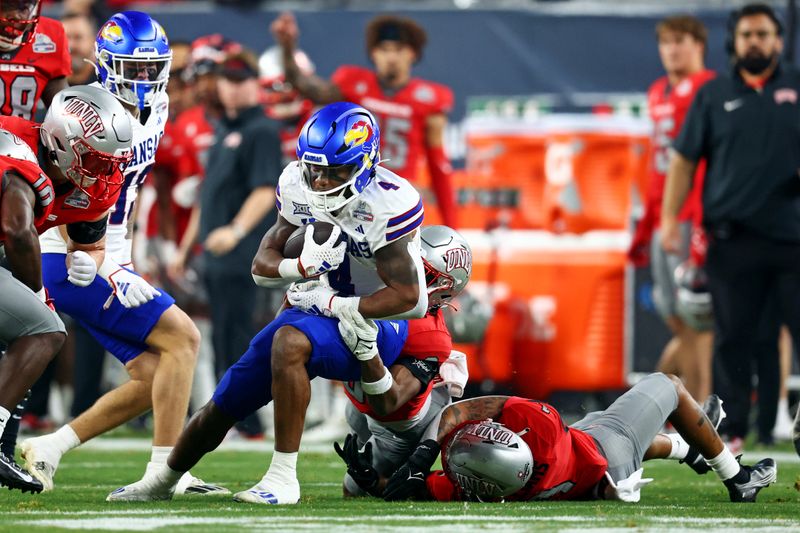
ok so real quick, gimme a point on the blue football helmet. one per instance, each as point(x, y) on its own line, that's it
point(133, 58)
point(339, 142)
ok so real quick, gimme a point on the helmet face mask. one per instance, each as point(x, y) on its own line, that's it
point(88, 135)
point(133, 58)
point(343, 138)
point(447, 259)
point(488, 461)
point(18, 20)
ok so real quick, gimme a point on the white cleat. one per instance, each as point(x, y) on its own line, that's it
point(144, 490)
point(188, 484)
point(287, 495)
point(41, 460)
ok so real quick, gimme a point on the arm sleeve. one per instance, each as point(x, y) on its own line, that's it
point(425, 370)
point(691, 142)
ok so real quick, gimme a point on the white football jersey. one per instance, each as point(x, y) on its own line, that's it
point(388, 209)
point(120, 221)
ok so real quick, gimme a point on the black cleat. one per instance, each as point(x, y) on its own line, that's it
point(762, 474)
point(14, 477)
point(712, 407)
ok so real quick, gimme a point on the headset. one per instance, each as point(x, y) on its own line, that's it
point(746, 11)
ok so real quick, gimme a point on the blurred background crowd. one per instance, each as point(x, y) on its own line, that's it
point(541, 145)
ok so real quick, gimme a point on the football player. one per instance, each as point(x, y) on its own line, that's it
point(139, 325)
point(34, 56)
point(412, 112)
point(499, 447)
point(86, 178)
point(388, 420)
point(681, 45)
point(377, 271)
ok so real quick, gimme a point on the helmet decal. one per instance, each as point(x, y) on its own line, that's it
point(359, 133)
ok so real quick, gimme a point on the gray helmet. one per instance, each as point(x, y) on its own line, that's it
point(447, 258)
point(488, 461)
point(14, 147)
point(88, 134)
point(692, 298)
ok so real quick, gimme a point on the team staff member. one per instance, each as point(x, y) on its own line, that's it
point(236, 208)
point(745, 126)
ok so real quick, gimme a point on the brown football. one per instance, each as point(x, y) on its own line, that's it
point(294, 244)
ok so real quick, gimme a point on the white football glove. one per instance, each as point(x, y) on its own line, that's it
point(316, 297)
point(626, 490)
point(130, 289)
point(359, 334)
point(82, 270)
point(316, 259)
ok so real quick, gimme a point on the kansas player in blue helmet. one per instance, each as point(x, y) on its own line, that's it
point(377, 271)
point(140, 326)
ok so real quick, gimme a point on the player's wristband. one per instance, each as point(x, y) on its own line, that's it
point(378, 387)
point(288, 270)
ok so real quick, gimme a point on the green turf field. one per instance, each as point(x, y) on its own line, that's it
point(677, 499)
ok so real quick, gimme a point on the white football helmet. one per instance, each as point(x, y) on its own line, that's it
point(447, 258)
point(13, 146)
point(693, 298)
point(88, 134)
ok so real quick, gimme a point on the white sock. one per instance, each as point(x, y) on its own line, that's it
point(167, 476)
point(65, 439)
point(724, 464)
point(680, 448)
point(159, 454)
point(5, 415)
point(282, 468)
point(783, 406)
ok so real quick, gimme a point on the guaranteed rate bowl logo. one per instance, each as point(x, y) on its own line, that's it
point(358, 134)
point(111, 32)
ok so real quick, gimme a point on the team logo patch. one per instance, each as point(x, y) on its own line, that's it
point(424, 94)
point(301, 209)
point(77, 199)
point(684, 88)
point(359, 133)
point(42, 44)
point(457, 258)
point(232, 140)
point(785, 96)
point(363, 212)
point(111, 32)
point(87, 116)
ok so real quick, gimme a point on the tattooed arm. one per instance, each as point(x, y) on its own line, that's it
point(474, 409)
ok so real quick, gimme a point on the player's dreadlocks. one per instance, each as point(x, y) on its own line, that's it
point(394, 28)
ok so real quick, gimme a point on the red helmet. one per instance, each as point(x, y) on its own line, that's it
point(209, 51)
point(280, 99)
point(18, 20)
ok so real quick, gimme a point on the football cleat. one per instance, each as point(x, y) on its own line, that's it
point(188, 484)
point(147, 489)
point(712, 407)
point(41, 460)
point(14, 477)
point(762, 474)
point(287, 495)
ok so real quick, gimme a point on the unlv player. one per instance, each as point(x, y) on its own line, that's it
point(34, 58)
point(681, 45)
point(497, 447)
point(82, 190)
point(391, 407)
point(412, 112)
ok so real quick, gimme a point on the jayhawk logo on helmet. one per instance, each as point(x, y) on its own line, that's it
point(111, 31)
point(359, 133)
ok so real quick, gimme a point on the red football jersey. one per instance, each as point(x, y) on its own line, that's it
point(194, 125)
point(71, 204)
point(668, 107)
point(176, 158)
point(39, 182)
point(401, 115)
point(566, 462)
point(25, 72)
point(428, 339)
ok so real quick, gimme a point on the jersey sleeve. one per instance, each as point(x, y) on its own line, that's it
point(443, 103)
point(691, 142)
point(544, 424)
point(441, 488)
point(346, 78)
point(400, 211)
point(289, 197)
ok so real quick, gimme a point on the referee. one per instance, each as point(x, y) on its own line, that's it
point(747, 127)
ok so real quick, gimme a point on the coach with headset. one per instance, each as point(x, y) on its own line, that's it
point(747, 127)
